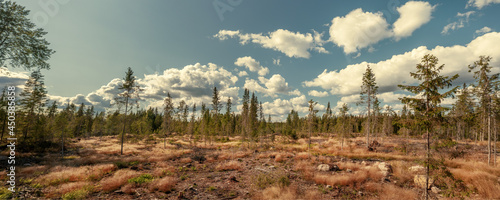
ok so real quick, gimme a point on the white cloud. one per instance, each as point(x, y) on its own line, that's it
point(272, 87)
point(252, 65)
point(316, 93)
point(481, 3)
point(290, 43)
point(463, 18)
point(282, 107)
point(193, 84)
point(358, 30)
point(242, 73)
point(277, 61)
point(391, 72)
point(9, 78)
point(413, 15)
point(483, 31)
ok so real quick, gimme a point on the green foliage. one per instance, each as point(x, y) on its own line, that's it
point(23, 45)
point(78, 194)
point(145, 178)
point(5, 193)
point(211, 188)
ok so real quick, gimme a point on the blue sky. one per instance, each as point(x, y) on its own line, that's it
point(323, 47)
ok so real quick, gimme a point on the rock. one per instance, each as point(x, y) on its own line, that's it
point(386, 168)
point(435, 190)
point(323, 167)
point(272, 167)
point(416, 168)
point(419, 181)
point(348, 170)
point(364, 163)
point(329, 186)
point(334, 167)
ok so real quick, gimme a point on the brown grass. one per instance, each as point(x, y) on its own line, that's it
point(352, 179)
point(164, 184)
point(71, 174)
point(231, 165)
point(302, 155)
point(390, 191)
point(185, 160)
point(62, 189)
point(118, 179)
point(287, 193)
point(486, 184)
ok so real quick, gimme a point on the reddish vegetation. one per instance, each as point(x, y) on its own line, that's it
point(233, 170)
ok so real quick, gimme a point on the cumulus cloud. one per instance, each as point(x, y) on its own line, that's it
point(483, 31)
point(242, 73)
point(192, 83)
point(282, 107)
point(272, 87)
point(252, 65)
point(463, 18)
point(316, 93)
point(9, 78)
point(391, 72)
point(292, 44)
point(413, 15)
point(479, 4)
point(358, 30)
point(277, 61)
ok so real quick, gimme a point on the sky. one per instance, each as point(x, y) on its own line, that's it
point(286, 51)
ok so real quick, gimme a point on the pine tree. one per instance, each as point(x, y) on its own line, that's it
point(368, 94)
point(244, 115)
point(429, 103)
point(33, 98)
point(311, 116)
point(463, 112)
point(168, 121)
point(484, 90)
point(131, 90)
point(343, 113)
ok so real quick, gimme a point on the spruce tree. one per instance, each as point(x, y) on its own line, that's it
point(130, 90)
point(484, 89)
point(368, 94)
point(428, 72)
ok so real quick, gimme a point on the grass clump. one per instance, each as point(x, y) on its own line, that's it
point(5, 193)
point(145, 178)
point(77, 194)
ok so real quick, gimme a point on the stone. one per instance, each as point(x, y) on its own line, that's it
point(329, 186)
point(334, 167)
point(348, 170)
point(419, 181)
point(386, 168)
point(323, 167)
point(435, 189)
point(416, 168)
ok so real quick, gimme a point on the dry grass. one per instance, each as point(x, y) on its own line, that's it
point(71, 174)
point(164, 184)
point(485, 183)
point(185, 160)
point(352, 179)
point(390, 191)
point(40, 169)
point(231, 165)
point(163, 169)
point(302, 155)
point(400, 170)
point(62, 189)
point(118, 179)
point(287, 193)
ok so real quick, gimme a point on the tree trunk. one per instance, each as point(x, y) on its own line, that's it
point(427, 167)
point(124, 124)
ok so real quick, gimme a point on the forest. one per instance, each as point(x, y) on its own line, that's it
point(193, 151)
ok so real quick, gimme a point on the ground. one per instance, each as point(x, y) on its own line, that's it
point(180, 168)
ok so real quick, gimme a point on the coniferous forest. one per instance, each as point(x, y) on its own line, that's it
point(213, 150)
